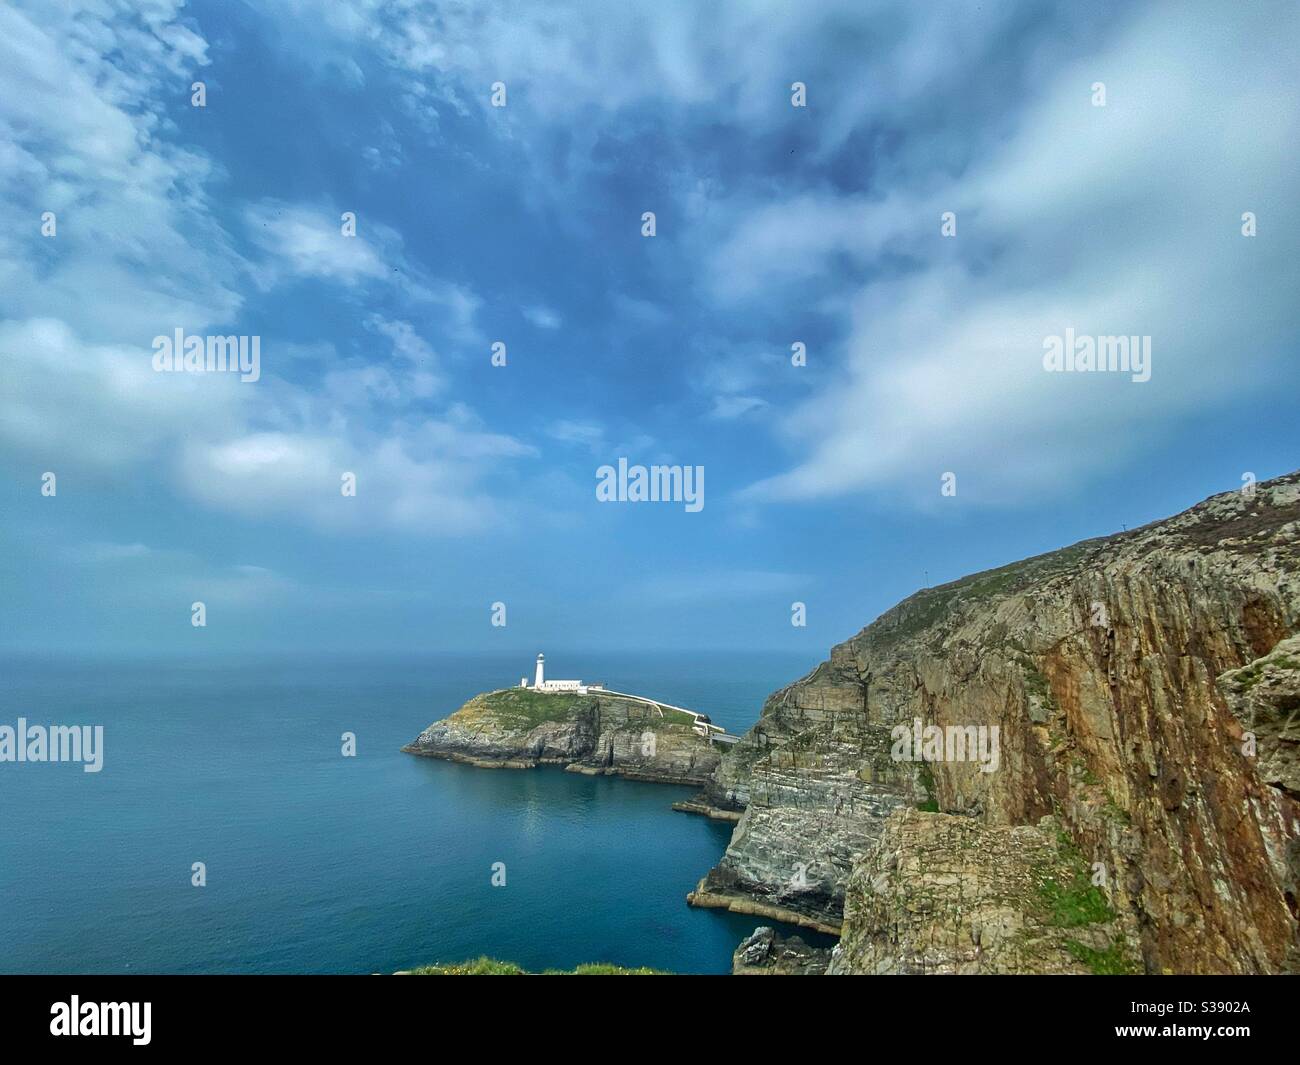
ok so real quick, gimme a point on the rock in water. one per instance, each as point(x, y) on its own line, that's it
point(517, 728)
point(1144, 689)
point(765, 953)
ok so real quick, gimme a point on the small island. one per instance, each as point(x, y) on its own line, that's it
point(587, 728)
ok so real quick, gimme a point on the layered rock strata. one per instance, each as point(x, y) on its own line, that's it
point(1144, 691)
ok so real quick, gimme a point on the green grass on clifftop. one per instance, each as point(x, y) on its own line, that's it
point(525, 709)
point(485, 966)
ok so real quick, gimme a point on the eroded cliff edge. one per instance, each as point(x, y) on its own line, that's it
point(517, 728)
point(1148, 711)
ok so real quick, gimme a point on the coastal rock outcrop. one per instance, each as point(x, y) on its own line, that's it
point(518, 728)
point(1143, 688)
point(767, 953)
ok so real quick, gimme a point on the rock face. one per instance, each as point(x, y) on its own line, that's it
point(1265, 697)
point(1144, 691)
point(951, 894)
point(765, 953)
point(516, 728)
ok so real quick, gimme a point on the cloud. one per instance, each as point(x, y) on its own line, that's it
point(302, 241)
point(143, 574)
point(421, 476)
point(425, 378)
point(557, 60)
point(100, 406)
point(584, 434)
point(717, 586)
point(264, 449)
point(639, 311)
point(100, 552)
point(728, 408)
point(542, 317)
point(82, 123)
point(84, 132)
point(277, 473)
point(1122, 220)
point(729, 376)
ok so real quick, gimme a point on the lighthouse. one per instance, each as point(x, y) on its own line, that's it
point(541, 684)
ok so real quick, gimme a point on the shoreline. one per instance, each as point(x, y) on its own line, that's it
point(737, 903)
point(569, 766)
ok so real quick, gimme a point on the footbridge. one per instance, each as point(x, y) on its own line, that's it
point(702, 725)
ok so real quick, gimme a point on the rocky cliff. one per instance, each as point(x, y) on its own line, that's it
point(517, 728)
point(1143, 809)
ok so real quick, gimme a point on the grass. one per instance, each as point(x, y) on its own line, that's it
point(928, 606)
point(1113, 961)
point(485, 966)
point(1036, 682)
point(1078, 902)
point(1115, 812)
point(1248, 676)
point(1075, 904)
point(526, 709)
point(530, 708)
point(926, 776)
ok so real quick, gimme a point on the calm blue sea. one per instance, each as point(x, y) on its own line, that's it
point(322, 864)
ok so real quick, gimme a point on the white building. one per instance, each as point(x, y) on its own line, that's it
point(541, 684)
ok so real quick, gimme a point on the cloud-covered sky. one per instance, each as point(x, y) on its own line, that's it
point(482, 228)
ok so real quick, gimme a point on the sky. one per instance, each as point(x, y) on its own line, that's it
point(1096, 164)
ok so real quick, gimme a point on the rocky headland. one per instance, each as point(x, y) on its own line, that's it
point(518, 728)
point(1144, 812)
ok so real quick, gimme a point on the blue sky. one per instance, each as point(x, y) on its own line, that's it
point(522, 224)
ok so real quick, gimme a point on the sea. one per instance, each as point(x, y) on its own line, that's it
point(314, 862)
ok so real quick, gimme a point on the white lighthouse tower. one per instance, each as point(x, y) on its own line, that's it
point(541, 684)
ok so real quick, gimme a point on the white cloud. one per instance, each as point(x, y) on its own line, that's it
point(96, 406)
point(270, 448)
point(584, 434)
point(81, 124)
point(557, 60)
point(106, 552)
point(1116, 220)
point(424, 478)
point(423, 377)
point(542, 317)
point(302, 241)
point(716, 586)
point(730, 376)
